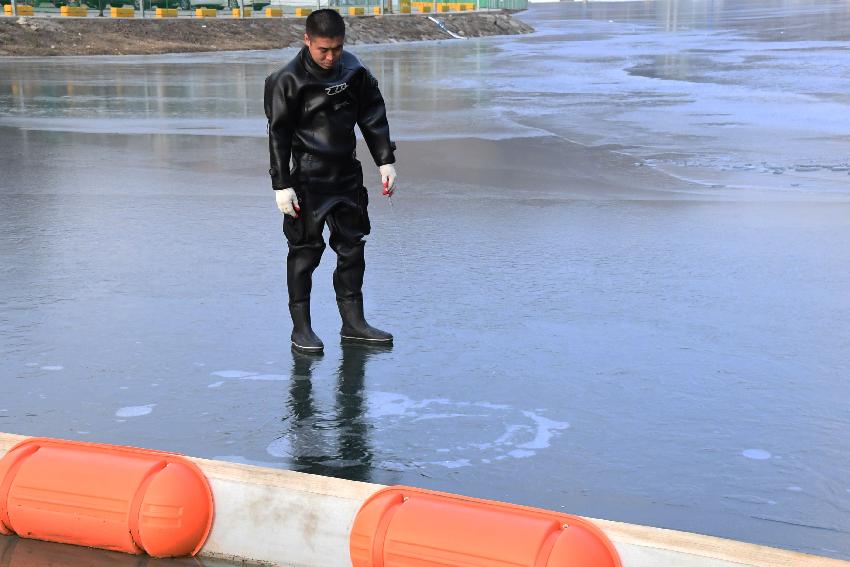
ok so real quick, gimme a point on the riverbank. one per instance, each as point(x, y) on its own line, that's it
point(41, 36)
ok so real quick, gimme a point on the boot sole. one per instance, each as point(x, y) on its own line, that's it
point(310, 350)
point(365, 340)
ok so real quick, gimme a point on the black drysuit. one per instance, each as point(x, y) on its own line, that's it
point(312, 113)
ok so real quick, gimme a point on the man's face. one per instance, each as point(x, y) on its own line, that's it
point(325, 51)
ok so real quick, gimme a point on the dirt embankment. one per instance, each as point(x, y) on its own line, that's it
point(39, 36)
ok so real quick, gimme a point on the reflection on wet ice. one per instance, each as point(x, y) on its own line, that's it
point(20, 552)
point(414, 435)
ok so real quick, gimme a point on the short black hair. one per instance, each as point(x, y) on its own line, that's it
point(325, 23)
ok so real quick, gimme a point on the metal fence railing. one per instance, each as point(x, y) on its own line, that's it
point(282, 7)
point(504, 4)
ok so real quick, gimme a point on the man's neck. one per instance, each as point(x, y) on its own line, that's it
point(317, 69)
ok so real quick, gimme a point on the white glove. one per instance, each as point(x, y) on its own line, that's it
point(388, 178)
point(287, 202)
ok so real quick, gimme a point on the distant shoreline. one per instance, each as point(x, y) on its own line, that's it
point(46, 36)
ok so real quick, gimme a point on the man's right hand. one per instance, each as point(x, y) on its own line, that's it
point(287, 202)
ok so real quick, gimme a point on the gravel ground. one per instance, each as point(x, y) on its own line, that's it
point(40, 36)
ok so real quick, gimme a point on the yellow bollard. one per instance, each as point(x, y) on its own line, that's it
point(249, 12)
point(302, 12)
point(166, 12)
point(355, 10)
point(273, 12)
point(23, 10)
point(123, 12)
point(206, 13)
point(74, 11)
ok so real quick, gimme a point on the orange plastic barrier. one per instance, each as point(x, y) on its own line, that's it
point(402, 526)
point(105, 496)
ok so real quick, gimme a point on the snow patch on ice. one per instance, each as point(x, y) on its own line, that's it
point(521, 453)
point(523, 433)
point(232, 374)
point(242, 375)
point(544, 432)
point(266, 377)
point(756, 454)
point(460, 463)
point(135, 411)
point(440, 416)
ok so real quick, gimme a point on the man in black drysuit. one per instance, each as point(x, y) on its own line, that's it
point(312, 105)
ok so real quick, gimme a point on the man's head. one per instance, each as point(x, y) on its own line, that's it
point(324, 36)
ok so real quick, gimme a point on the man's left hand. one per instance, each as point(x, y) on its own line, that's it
point(388, 178)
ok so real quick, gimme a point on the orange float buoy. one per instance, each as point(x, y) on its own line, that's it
point(403, 526)
point(105, 496)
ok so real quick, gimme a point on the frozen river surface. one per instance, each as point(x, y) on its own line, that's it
point(617, 268)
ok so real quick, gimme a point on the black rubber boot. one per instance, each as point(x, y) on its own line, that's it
point(303, 337)
point(354, 325)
